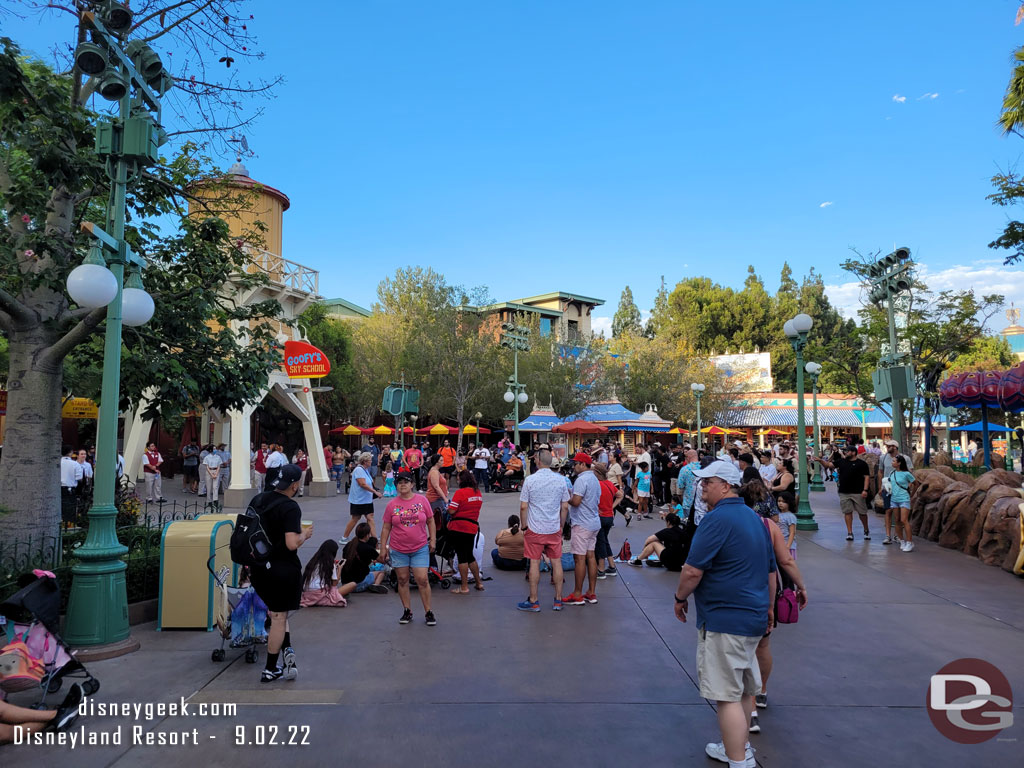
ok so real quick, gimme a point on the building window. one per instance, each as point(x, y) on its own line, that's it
point(574, 330)
point(545, 326)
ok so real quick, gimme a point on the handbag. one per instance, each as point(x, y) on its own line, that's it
point(787, 610)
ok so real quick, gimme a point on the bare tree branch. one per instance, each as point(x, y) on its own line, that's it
point(59, 349)
point(178, 22)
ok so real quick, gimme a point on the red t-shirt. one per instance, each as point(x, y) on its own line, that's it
point(465, 507)
point(328, 454)
point(604, 504)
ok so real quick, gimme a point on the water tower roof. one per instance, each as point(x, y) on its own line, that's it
point(238, 175)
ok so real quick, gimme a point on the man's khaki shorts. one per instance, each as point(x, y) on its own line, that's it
point(851, 503)
point(727, 666)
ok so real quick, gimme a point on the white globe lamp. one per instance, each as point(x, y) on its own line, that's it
point(523, 397)
point(91, 284)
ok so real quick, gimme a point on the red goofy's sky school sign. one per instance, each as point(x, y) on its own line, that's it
point(304, 361)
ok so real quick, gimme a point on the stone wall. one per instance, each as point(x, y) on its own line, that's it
point(978, 517)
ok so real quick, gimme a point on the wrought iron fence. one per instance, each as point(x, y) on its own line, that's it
point(139, 528)
point(970, 469)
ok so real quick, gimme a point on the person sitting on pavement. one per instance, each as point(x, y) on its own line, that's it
point(279, 585)
point(666, 545)
point(359, 564)
point(320, 578)
point(17, 723)
point(509, 553)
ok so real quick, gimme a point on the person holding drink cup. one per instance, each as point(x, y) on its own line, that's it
point(279, 584)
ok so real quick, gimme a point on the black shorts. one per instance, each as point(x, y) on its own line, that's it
point(191, 473)
point(358, 510)
point(279, 586)
point(462, 544)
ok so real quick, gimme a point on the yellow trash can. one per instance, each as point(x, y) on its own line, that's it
point(186, 584)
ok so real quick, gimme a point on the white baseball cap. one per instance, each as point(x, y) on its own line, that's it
point(724, 470)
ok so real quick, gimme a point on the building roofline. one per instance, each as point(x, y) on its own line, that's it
point(348, 305)
point(562, 295)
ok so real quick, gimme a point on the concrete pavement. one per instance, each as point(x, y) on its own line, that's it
point(601, 684)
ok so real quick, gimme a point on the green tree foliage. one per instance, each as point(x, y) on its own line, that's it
point(1009, 184)
point(627, 316)
point(933, 330)
point(986, 353)
point(660, 371)
point(333, 337)
point(705, 318)
point(659, 312)
point(50, 182)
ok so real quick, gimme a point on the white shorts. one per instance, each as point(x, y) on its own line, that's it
point(727, 666)
point(643, 494)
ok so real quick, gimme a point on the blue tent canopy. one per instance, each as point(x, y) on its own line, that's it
point(977, 427)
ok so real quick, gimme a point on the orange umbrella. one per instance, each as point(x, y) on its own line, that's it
point(381, 430)
point(348, 430)
point(437, 429)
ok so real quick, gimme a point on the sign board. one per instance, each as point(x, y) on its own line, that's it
point(80, 408)
point(304, 361)
point(746, 373)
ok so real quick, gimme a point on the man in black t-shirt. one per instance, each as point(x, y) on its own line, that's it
point(854, 479)
point(279, 583)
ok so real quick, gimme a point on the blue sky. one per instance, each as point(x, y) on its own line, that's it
point(535, 145)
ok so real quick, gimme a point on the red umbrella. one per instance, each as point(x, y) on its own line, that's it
point(579, 427)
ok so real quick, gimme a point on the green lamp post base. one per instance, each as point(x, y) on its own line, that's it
point(805, 516)
point(98, 603)
point(816, 485)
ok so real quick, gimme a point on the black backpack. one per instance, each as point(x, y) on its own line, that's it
point(250, 546)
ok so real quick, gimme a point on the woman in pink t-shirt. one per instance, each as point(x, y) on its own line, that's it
point(409, 533)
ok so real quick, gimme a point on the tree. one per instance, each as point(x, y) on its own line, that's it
point(334, 338)
point(934, 330)
point(659, 312)
point(1009, 184)
point(209, 48)
point(627, 316)
point(986, 353)
point(50, 181)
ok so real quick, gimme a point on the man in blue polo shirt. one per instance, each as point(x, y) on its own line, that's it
point(731, 573)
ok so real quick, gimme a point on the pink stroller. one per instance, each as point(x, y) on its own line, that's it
point(34, 652)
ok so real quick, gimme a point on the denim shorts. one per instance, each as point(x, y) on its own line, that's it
point(418, 559)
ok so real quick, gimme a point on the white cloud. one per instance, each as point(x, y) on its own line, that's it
point(899, 99)
point(928, 95)
point(603, 325)
point(981, 276)
point(826, 204)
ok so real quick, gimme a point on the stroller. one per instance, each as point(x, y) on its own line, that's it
point(241, 616)
point(35, 655)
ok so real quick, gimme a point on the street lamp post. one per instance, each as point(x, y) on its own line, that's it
point(813, 370)
point(796, 331)
point(516, 338)
point(698, 390)
point(97, 605)
point(864, 421)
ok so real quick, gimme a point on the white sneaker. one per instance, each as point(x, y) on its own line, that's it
point(291, 670)
point(344, 540)
point(716, 751)
point(909, 547)
point(903, 546)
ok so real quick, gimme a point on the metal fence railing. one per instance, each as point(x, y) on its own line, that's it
point(139, 528)
point(969, 469)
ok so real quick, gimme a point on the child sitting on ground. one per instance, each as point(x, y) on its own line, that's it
point(320, 578)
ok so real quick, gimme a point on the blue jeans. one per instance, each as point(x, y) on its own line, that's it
point(504, 564)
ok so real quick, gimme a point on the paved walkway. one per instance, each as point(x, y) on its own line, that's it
point(602, 685)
